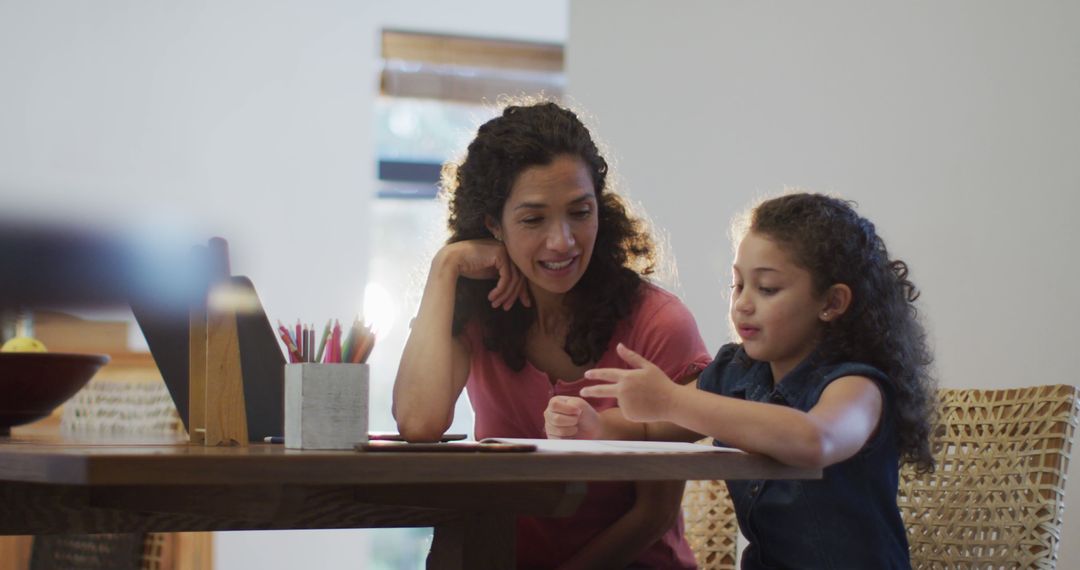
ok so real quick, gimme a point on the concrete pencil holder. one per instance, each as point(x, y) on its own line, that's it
point(326, 405)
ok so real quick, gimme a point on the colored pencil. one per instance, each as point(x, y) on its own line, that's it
point(370, 347)
point(355, 348)
point(299, 331)
point(335, 342)
point(294, 353)
point(363, 349)
point(349, 346)
point(322, 342)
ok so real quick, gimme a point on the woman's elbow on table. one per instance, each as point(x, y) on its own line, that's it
point(418, 429)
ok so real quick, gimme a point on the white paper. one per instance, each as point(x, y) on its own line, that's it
point(613, 446)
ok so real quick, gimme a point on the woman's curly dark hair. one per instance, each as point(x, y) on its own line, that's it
point(881, 327)
point(534, 135)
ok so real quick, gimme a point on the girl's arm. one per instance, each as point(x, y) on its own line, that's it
point(833, 430)
point(435, 365)
point(654, 512)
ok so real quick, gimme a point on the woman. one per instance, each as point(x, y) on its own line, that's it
point(541, 278)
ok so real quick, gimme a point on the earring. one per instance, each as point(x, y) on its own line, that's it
point(824, 314)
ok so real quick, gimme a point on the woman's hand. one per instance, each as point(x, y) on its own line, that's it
point(644, 392)
point(488, 259)
point(568, 417)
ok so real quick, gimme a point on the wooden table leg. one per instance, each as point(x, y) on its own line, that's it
point(15, 552)
point(480, 541)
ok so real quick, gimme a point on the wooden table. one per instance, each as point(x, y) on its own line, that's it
point(54, 485)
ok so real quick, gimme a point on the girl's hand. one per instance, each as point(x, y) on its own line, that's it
point(488, 259)
point(644, 392)
point(568, 417)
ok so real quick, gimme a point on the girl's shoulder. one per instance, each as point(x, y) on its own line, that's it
point(828, 373)
point(731, 353)
point(728, 370)
point(837, 370)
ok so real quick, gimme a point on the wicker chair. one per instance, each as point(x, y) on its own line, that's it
point(88, 552)
point(996, 498)
point(711, 528)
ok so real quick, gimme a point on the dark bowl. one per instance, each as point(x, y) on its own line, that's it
point(33, 384)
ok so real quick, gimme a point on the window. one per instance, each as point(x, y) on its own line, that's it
point(434, 93)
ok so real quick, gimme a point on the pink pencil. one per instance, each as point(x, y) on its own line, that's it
point(335, 342)
point(298, 339)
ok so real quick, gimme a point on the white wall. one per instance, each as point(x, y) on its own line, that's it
point(956, 126)
point(243, 119)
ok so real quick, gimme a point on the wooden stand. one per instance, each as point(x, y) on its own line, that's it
point(216, 414)
point(197, 371)
point(217, 353)
point(225, 415)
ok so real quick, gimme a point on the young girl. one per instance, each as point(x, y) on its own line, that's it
point(832, 372)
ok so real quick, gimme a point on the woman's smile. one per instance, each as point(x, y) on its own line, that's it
point(561, 267)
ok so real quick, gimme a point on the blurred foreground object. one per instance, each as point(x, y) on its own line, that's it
point(44, 264)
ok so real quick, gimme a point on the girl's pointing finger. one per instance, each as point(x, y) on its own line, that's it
point(602, 391)
point(605, 374)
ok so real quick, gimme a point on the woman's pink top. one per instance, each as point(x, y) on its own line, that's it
point(511, 403)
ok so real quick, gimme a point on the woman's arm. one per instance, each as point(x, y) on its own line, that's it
point(655, 511)
point(435, 365)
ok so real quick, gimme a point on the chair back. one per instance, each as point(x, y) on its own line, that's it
point(997, 495)
point(710, 524)
point(87, 551)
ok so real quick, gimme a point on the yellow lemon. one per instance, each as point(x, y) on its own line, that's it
point(23, 344)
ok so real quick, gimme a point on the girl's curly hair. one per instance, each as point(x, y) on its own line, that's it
point(534, 135)
point(825, 236)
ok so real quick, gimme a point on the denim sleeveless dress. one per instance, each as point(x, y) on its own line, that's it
point(847, 519)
